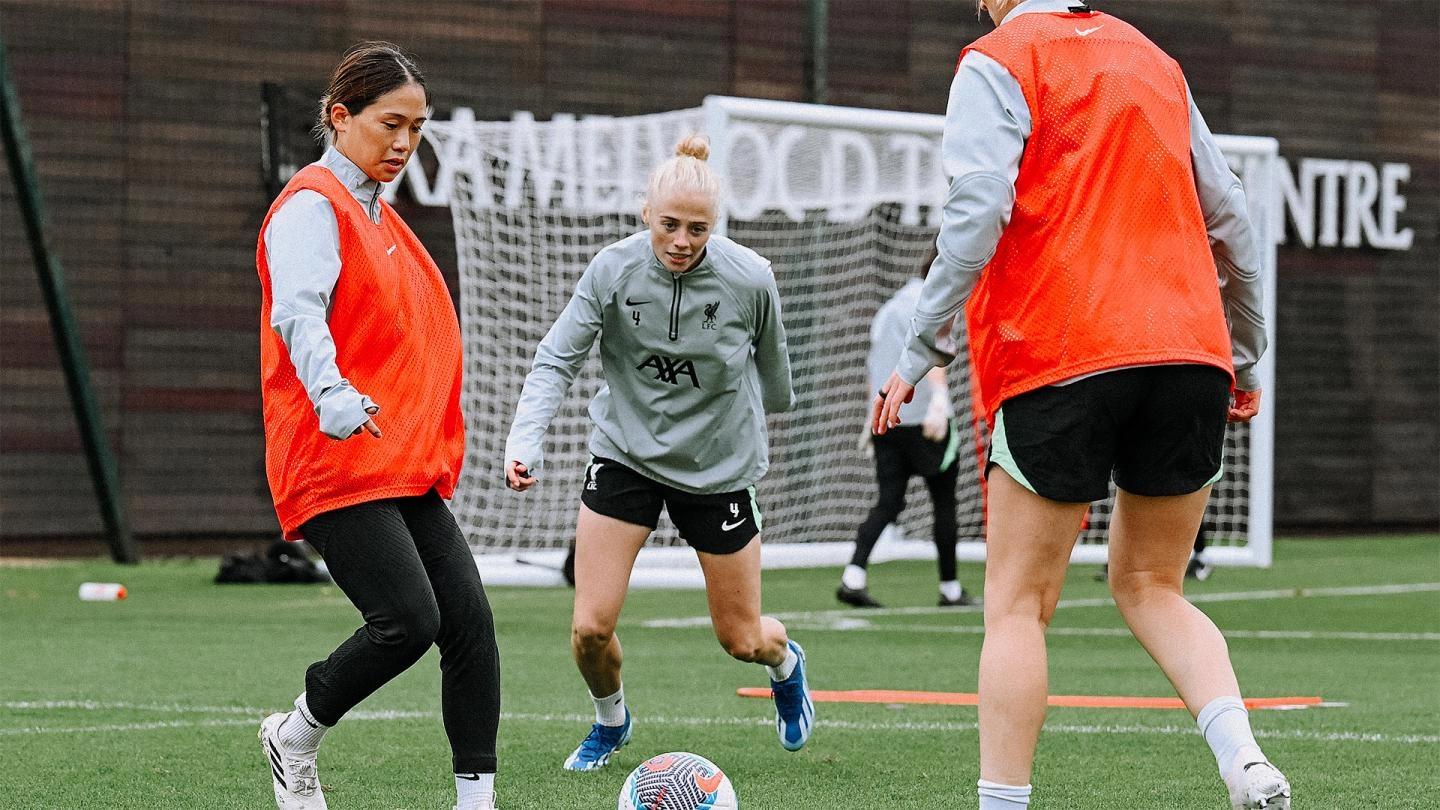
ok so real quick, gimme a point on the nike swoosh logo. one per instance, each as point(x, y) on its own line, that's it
point(1088, 31)
point(472, 777)
point(391, 250)
point(709, 784)
point(630, 303)
point(727, 525)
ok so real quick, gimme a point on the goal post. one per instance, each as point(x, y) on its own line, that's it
point(845, 203)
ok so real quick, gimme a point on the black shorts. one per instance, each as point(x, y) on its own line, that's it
point(1159, 429)
point(904, 448)
point(719, 523)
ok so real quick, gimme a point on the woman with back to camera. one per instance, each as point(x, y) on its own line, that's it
point(1088, 212)
point(356, 317)
point(693, 353)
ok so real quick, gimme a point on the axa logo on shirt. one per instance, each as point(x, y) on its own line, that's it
point(671, 369)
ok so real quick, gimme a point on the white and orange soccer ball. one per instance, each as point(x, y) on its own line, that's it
point(677, 781)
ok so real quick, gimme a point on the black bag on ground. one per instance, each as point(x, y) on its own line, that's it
point(282, 562)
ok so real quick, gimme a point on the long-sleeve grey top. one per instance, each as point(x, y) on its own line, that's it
point(987, 123)
point(692, 362)
point(302, 246)
point(888, 332)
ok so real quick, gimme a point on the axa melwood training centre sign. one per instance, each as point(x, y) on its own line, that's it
point(600, 162)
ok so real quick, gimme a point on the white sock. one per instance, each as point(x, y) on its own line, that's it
point(950, 589)
point(786, 667)
point(853, 577)
point(474, 790)
point(995, 796)
point(1226, 725)
point(301, 732)
point(610, 710)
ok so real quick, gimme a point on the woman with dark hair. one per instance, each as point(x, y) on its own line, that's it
point(355, 316)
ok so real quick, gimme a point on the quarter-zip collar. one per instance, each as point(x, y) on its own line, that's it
point(677, 286)
point(357, 182)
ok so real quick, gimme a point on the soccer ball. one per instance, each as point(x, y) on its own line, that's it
point(677, 781)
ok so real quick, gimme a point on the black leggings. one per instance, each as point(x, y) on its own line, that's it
point(899, 454)
point(406, 567)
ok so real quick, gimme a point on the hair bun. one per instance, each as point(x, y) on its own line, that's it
point(688, 170)
point(696, 146)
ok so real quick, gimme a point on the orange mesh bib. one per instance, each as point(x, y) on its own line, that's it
point(1105, 261)
point(397, 340)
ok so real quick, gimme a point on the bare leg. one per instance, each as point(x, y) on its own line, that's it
point(1150, 542)
point(605, 551)
point(732, 587)
point(1028, 542)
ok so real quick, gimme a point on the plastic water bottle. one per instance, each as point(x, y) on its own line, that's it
point(102, 591)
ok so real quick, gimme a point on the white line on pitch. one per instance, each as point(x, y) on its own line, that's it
point(1232, 596)
point(117, 727)
point(849, 624)
point(845, 725)
point(97, 705)
point(91, 705)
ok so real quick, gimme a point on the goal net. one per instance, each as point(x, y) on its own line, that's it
point(845, 204)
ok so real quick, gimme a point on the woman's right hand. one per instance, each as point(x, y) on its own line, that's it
point(885, 413)
point(518, 477)
point(369, 426)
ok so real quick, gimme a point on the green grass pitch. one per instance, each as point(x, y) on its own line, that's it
point(154, 702)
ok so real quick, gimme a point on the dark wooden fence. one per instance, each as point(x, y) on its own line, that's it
point(144, 119)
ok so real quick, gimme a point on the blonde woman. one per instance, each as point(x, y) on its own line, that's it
point(693, 352)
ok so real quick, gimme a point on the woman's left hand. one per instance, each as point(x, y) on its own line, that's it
point(1244, 406)
point(369, 426)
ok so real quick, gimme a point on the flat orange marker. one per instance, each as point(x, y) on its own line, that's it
point(972, 699)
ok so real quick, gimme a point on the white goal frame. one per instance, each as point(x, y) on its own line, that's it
point(731, 124)
point(1253, 158)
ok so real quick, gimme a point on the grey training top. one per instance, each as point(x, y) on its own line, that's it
point(302, 246)
point(987, 123)
point(692, 362)
point(888, 332)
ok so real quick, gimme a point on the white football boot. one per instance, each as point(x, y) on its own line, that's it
point(297, 785)
point(1261, 786)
